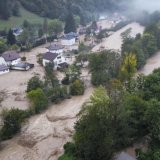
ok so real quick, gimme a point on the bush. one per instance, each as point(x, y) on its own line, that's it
point(57, 94)
point(34, 83)
point(23, 58)
point(38, 99)
point(77, 88)
point(12, 120)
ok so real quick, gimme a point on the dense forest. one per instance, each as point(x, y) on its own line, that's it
point(58, 8)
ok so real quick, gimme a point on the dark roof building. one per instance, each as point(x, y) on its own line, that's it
point(55, 47)
point(50, 56)
point(10, 56)
point(3, 67)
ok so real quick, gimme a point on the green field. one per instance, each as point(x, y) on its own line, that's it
point(16, 21)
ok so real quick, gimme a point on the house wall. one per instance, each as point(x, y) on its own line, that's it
point(4, 72)
point(2, 61)
point(16, 61)
point(57, 61)
point(70, 42)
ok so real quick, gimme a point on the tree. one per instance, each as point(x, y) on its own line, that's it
point(34, 83)
point(149, 44)
point(70, 25)
point(77, 87)
point(128, 67)
point(55, 27)
point(50, 78)
point(45, 28)
point(38, 99)
point(24, 37)
point(95, 137)
point(3, 46)
point(11, 38)
point(104, 66)
point(151, 87)
point(12, 120)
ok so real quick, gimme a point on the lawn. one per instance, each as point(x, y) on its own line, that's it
point(17, 21)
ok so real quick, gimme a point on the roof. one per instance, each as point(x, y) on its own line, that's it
point(10, 56)
point(3, 67)
point(124, 156)
point(72, 34)
point(55, 47)
point(50, 56)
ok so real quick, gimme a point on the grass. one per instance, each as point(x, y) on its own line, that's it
point(17, 21)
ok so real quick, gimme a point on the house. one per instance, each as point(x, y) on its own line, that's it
point(4, 69)
point(68, 40)
point(17, 31)
point(55, 48)
point(2, 61)
point(54, 58)
point(11, 58)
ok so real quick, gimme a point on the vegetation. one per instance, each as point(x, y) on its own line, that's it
point(12, 120)
point(38, 99)
point(104, 66)
point(77, 88)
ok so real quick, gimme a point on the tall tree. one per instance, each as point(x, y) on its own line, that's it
point(70, 25)
point(11, 38)
point(45, 28)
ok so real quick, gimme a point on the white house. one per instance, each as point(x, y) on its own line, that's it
point(54, 58)
point(55, 48)
point(68, 40)
point(4, 69)
point(11, 58)
point(2, 61)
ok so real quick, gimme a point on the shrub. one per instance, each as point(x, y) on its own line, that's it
point(23, 58)
point(38, 99)
point(34, 83)
point(77, 88)
point(12, 120)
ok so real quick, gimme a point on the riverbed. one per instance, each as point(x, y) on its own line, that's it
point(43, 135)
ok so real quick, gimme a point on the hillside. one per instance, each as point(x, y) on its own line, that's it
point(85, 9)
point(14, 21)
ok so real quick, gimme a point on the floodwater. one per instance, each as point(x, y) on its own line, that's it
point(151, 64)
point(115, 40)
point(43, 136)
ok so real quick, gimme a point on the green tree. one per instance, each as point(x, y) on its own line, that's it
point(70, 25)
point(77, 87)
point(3, 46)
point(11, 38)
point(149, 44)
point(55, 27)
point(50, 78)
point(38, 99)
point(128, 67)
point(12, 120)
point(34, 83)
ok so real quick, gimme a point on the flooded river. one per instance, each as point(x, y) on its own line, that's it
point(43, 136)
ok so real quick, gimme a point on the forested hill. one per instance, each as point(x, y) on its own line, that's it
point(57, 8)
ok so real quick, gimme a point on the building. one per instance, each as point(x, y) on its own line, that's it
point(68, 40)
point(17, 31)
point(4, 69)
point(2, 61)
point(55, 48)
point(11, 58)
point(54, 58)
